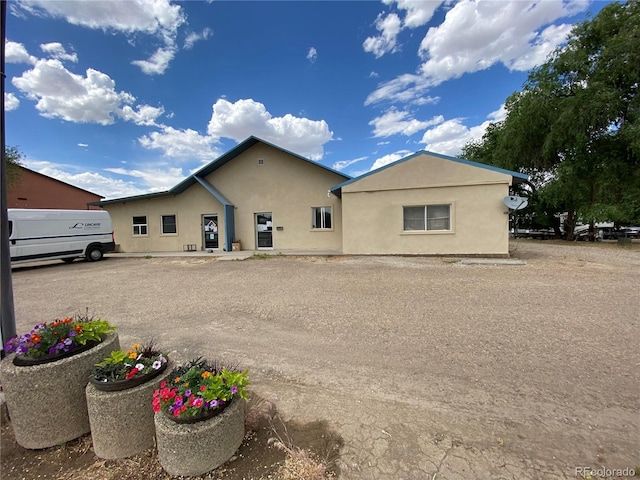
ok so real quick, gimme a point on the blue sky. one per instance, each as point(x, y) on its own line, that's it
point(129, 97)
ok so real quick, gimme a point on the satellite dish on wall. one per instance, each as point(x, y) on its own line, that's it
point(514, 202)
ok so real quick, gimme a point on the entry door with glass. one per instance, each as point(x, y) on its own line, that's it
point(210, 230)
point(264, 230)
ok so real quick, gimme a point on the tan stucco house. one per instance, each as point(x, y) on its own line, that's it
point(269, 198)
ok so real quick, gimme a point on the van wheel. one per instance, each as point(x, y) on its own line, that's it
point(94, 254)
point(68, 260)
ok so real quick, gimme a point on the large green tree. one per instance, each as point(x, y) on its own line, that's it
point(14, 161)
point(575, 126)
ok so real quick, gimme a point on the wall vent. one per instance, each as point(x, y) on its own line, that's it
point(261, 161)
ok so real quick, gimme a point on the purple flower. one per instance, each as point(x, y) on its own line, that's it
point(213, 403)
point(22, 349)
point(72, 333)
point(234, 389)
point(171, 409)
point(178, 402)
point(67, 341)
point(52, 350)
point(156, 365)
point(187, 393)
point(162, 359)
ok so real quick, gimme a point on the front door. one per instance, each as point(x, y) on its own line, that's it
point(210, 230)
point(264, 231)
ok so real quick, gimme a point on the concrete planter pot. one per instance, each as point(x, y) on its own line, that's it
point(122, 421)
point(197, 448)
point(47, 402)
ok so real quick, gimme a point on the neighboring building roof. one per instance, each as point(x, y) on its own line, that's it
point(517, 176)
point(198, 177)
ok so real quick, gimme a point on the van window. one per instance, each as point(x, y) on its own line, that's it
point(10, 228)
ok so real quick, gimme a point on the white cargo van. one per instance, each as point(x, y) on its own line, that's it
point(59, 234)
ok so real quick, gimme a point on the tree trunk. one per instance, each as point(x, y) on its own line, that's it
point(570, 225)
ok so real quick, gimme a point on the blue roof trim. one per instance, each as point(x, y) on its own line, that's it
point(213, 191)
point(516, 175)
point(212, 167)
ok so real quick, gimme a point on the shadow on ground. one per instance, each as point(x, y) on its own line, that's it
point(268, 443)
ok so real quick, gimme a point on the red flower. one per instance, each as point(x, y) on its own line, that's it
point(131, 374)
point(203, 388)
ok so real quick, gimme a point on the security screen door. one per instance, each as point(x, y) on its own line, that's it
point(210, 231)
point(264, 231)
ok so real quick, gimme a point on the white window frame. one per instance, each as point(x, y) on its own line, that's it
point(323, 211)
point(162, 232)
point(140, 226)
point(426, 219)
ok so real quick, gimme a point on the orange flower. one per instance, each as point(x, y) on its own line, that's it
point(67, 320)
point(132, 355)
point(176, 380)
point(136, 346)
point(35, 338)
point(78, 328)
point(206, 374)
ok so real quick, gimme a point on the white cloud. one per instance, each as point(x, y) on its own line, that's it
point(312, 55)
point(386, 42)
point(542, 45)
point(16, 53)
point(394, 122)
point(390, 158)
point(157, 63)
point(342, 164)
point(407, 88)
point(83, 145)
point(194, 37)
point(159, 18)
point(126, 16)
point(449, 137)
point(92, 181)
point(11, 102)
point(56, 50)
point(74, 98)
point(476, 35)
point(144, 115)
point(418, 12)
point(247, 117)
point(181, 144)
point(157, 179)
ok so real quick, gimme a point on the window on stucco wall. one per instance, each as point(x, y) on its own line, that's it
point(140, 227)
point(169, 225)
point(427, 218)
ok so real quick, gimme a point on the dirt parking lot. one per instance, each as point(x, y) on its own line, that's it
point(426, 368)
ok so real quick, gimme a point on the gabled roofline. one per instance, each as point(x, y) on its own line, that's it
point(212, 167)
point(517, 176)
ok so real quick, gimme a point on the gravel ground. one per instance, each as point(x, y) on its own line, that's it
point(423, 366)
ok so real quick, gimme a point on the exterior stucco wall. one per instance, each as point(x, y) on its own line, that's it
point(373, 209)
point(284, 185)
point(188, 207)
point(288, 188)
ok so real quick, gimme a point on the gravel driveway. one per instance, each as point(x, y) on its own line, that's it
point(427, 368)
